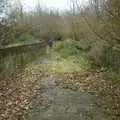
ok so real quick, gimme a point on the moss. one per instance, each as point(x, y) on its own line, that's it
point(25, 39)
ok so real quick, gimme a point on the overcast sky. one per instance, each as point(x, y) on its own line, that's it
point(58, 4)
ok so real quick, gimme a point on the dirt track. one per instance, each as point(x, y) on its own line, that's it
point(57, 103)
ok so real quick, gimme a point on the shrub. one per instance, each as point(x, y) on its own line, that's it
point(70, 47)
point(69, 58)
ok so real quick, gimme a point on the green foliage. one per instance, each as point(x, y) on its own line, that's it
point(59, 46)
point(70, 47)
point(25, 39)
point(83, 47)
point(67, 57)
point(70, 64)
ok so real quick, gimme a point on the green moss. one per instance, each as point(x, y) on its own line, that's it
point(25, 39)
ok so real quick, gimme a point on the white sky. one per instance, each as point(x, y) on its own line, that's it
point(58, 4)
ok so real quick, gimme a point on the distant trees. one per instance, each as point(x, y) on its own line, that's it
point(41, 22)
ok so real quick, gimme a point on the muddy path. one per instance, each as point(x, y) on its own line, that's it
point(57, 103)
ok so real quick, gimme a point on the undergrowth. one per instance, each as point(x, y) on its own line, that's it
point(13, 63)
point(69, 56)
point(25, 39)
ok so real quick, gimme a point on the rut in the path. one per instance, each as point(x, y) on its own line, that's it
point(56, 103)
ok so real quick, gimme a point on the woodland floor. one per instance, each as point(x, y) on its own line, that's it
point(58, 103)
point(44, 96)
